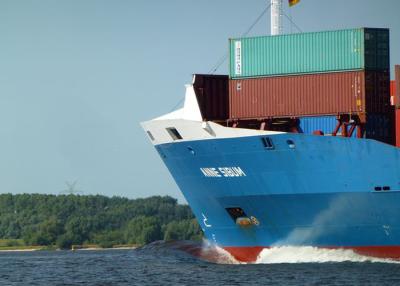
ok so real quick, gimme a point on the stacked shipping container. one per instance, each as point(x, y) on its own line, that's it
point(353, 49)
point(313, 74)
point(319, 123)
point(309, 95)
point(377, 126)
point(212, 96)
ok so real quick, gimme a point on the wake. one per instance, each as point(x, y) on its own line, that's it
point(309, 254)
point(210, 252)
point(204, 250)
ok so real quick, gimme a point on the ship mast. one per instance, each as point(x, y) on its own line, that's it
point(276, 17)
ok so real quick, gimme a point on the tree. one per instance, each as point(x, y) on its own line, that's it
point(182, 230)
point(65, 220)
point(143, 230)
point(109, 239)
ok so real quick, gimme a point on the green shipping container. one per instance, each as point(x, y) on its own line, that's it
point(354, 49)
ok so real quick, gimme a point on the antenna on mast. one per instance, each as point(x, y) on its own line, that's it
point(276, 17)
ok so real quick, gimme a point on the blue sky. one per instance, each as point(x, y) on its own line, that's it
point(77, 77)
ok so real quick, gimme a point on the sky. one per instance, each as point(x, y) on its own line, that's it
point(77, 77)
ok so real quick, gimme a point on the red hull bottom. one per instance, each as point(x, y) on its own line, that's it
point(250, 254)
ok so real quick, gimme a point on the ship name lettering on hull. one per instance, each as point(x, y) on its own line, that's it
point(223, 172)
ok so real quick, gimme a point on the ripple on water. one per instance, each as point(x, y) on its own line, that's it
point(178, 264)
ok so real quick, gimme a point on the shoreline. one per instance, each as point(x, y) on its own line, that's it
point(50, 248)
point(110, 248)
point(20, 250)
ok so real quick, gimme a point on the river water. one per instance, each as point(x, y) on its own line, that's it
point(186, 263)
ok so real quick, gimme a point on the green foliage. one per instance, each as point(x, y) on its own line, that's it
point(142, 230)
point(66, 220)
point(65, 241)
point(11, 242)
point(109, 239)
point(182, 230)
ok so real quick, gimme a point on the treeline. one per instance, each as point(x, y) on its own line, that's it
point(67, 220)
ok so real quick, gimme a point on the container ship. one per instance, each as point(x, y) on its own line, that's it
point(297, 146)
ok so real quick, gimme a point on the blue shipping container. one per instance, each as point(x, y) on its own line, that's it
point(378, 127)
point(326, 124)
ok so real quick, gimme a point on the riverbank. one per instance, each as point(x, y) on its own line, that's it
point(21, 248)
point(98, 247)
point(9, 245)
point(62, 221)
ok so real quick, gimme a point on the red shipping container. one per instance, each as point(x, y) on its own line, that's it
point(397, 127)
point(310, 94)
point(396, 91)
point(392, 88)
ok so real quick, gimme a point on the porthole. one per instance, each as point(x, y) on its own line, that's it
point(291, 144)
point(191, 150)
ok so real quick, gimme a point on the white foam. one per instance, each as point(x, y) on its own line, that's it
point(309, 254)
point(217, 254)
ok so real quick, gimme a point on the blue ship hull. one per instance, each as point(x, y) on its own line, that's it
point(301, 189)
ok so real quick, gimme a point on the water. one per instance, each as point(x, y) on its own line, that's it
point(179, 264)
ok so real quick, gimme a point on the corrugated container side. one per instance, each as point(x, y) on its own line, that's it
point(377, 49)
point(377, 91)
point(325, 124)
point(392, 87)
point(397, 127)
point(212, 96)
point(380, 127)
point(309, 95)
point(310, 53)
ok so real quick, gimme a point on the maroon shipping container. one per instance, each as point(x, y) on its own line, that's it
point(311, 94)
point(212, 95)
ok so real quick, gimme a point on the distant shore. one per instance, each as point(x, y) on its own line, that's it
point(74, 248)
point(31, 222)
point(19, 250)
